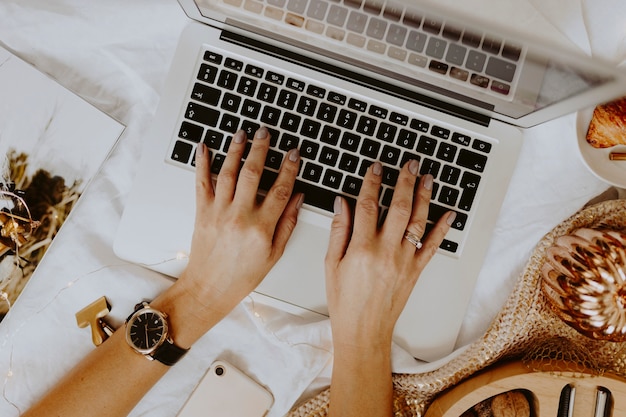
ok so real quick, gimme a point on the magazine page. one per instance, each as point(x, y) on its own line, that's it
point(52, 143)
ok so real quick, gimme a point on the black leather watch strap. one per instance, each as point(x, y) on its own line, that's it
point(168, 353)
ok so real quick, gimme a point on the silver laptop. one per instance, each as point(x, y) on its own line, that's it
point(350, 82)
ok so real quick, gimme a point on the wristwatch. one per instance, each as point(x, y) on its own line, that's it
point(147, 334)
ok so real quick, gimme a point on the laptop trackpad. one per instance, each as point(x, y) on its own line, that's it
point(298, 277)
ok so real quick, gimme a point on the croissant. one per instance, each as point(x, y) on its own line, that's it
point(608, 125)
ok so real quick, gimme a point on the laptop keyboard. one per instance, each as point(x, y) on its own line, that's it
point(477, 60)
point(339, 136)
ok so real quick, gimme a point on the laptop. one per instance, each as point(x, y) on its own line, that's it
point(350, 82)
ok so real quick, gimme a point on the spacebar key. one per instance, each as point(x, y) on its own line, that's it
point(319, 197)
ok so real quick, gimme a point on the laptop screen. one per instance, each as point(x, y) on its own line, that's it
point(493, 72)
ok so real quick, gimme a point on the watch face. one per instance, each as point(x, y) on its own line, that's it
point(146, 330)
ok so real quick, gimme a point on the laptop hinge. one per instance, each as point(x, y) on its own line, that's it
point(364, 80)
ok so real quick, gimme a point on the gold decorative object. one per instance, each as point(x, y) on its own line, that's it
point(93, 315)
point(584, 279)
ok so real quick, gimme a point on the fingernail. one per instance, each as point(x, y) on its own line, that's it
point(262, 133)
point(377, 168)
point(451, 217)
point(428, 182)
point(413, 166)
point(300, 201)
point(293, 155)
point(337, 206)
point(200, 151)
point(240, 137)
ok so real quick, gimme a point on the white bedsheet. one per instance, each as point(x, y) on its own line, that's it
point(115, 54)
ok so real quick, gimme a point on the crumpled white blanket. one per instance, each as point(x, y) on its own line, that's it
point(115, 54)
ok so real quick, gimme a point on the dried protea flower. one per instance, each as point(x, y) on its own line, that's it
point(584, 279)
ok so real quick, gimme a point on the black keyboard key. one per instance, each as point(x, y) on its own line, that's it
point(500, 87)
point(352, 185)
point(350, 141)
point(428, 166)
point(319, 197)
point(182, 152)
point(214, 139)
point(274, 159)
point(378, 112)
point(440, 132)
point(309, 149)
point(315, 91)
point(387, 132)
point(390, 176)
point(408, 156)
point(288, 142)
point(217, 162)
point(233, 64)
point(448, 195)
point(419, 125)
point(449, 246)
point(475, 61)
point(355, 104)
point(306, 106)
point(295, 84)
point(337, 98)
point(312, 172)
point(327, 112)
point(450, 174)
point(290, 122)
point(247, 86)
point(471, 160)
point(332, 179)
point(479, 80)
point(461, 139)
point(427, 145)
point(370, 148)
point(435, 211)
point(446, 152)
point(469, 184)
point(390, 155)
point(346, 119)
point(207, 73)
point(432, 25)
point(398, 118)
point(482, 146)
point(231, 102)
point(250, 128)
point(229, 123)
point(270, 115)
point(275, 78)
point(267, 179)
point(387, 197)
point(227, 80)
point(407, 139)
point(329, 156)
point(330, 135)
point(250, 109)
point(213, 57)
point(366, 126)
point(310, 128)
point(190, 132)
point(365, 164)
point(267, 93)
point(254, 71)
point(348, 162)
point(202, 114)
point(287, 99)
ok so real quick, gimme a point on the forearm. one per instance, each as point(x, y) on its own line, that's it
point(113, 378)
point(361, 381)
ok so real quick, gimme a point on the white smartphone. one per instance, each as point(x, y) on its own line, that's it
point(225, 391)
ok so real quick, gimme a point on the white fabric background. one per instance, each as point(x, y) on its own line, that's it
point(115, 54)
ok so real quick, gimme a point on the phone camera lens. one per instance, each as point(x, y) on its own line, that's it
point(219, 371)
